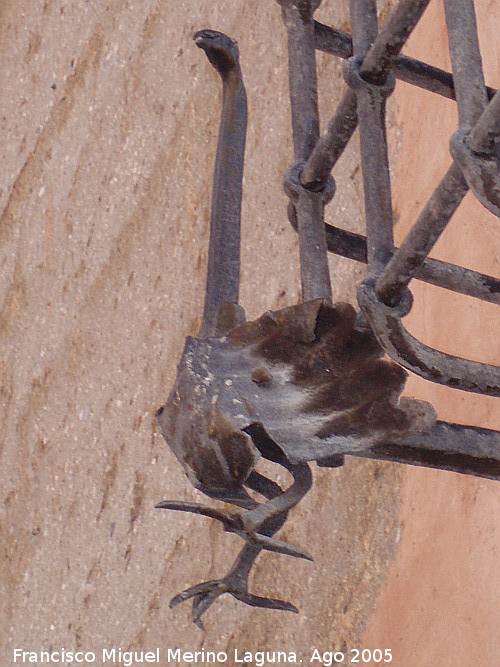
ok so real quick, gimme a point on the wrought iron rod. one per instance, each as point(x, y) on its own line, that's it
point(390, 40)
point(302, 80)
point(415, 72)
point(331, 144)
point(463, 449)
point(299, 23)
point(375, 68)
point(364, 26)
point(371, 101)
point(470, 89)
point(469, 450)
point(448, 276)
point(223, 271)
point(485, 137)
point(394, 280)
point(425, 361)
point(476, 152)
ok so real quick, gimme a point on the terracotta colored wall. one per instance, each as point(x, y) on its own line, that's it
point(109, 116)
point(439, 605)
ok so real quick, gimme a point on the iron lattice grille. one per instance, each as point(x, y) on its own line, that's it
point(373, 65)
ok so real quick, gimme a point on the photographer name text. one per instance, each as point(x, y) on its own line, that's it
point(169, 656)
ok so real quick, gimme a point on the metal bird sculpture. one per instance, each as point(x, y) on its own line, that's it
point(296, 385)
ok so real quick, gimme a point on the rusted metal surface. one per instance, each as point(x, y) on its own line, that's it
point(317, 385)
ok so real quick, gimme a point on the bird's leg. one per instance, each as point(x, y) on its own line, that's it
point(284, 501)
point(236, 581)
point(247, 524)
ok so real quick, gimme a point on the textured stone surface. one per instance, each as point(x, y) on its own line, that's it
point(109, 117)
point(109, 122)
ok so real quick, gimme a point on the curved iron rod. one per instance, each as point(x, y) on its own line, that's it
point(223, 272)
point(476, 153)
point(419, 358)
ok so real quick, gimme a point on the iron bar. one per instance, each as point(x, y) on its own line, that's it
point(485, 138)
point(302, 80)
point(364, 26)
point(463, 449)
point(223, 271)
point(466, 61)
point(331, 144)
point(415, 72)
point(394, 279)
point(469, 450)
point(371, 101)
point(433, 271)
point(298, 18)
point(375, 68)
point(390, 40)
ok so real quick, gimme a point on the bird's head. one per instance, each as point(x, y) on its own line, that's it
point(221, 50)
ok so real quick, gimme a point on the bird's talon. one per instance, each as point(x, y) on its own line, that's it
point(278, 546)
point(194, 591)
point(205, 594)
point(267, 603)
point(234, 522)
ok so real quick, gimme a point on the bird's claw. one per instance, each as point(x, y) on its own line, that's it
point(205, 594)
point(234, 522)
point(273, 544)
